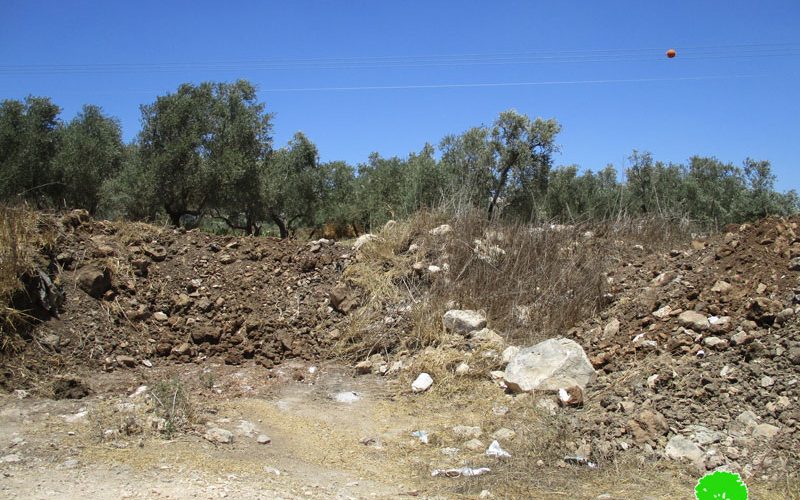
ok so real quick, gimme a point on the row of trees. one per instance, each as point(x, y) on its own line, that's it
point(206, 151)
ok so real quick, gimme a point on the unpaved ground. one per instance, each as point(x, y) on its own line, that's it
point(316, 449)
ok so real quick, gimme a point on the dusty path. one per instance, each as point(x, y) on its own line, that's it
point(53, 449)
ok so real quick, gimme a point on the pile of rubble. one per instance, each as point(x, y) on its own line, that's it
point(135, 295)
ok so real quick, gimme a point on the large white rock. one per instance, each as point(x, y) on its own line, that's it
point(463, 321)
point(548, 366)
point(422, 383)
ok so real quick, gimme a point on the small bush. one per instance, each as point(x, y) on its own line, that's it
point(172, 403)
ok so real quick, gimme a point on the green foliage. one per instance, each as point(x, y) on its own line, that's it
point(91, 152)
point(29, 140)
point(205, 156)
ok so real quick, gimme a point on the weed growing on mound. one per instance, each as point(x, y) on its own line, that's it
point(172, 404)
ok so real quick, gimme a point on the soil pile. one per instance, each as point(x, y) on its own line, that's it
point(137, 294)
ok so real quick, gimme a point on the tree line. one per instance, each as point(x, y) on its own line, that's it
point(206, 152)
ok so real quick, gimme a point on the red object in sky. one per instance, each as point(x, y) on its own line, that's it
point(671, 53)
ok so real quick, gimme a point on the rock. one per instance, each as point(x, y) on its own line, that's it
point(721, 287)
point(94, 281)
point(263, 439)
point(704, 436)
point(487, 252)
point(342, 298)
point(745, 422)
point(570, 396)
point(363, 240)
point(509, 353)
point(794, 264)
point(503, 434)
point(663, 312)
point(433, 269)
point(422, 383)
point(246, 428)
point(347, 397)
point(740, 338)
point(363, 367)
point(763, 310)
point(22, 394)
point(127, 361)
point(462, 369)
point(549, 366)
point(157, 253)
point(463, 321)
point(694, 320)
point(160, 317)
point(51, 341)
point(765, 431)
point(180, 350)
point(467, 432)
point(767, 381)
point(441, 230)
point(13, 458)
point(719, 323)
point(488, 337)
point(648, 425)
point(715, 343)
point(219, 436)
point(680, 448)
point(611, 329)
point(474, 445)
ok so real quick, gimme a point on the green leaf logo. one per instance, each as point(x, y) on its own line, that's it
point(721, 485)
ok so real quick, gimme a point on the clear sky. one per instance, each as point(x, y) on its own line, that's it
point(731, 92)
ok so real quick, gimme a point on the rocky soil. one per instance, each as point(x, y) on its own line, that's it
point(691, 363)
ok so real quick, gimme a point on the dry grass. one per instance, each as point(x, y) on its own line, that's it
point(24, 235)
point(537, 282)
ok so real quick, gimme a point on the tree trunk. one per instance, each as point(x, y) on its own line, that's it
point(281, 225)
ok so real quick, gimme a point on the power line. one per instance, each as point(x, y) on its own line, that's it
point(509, 84)
point(739, 51)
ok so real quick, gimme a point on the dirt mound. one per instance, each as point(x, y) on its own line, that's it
point(137, 294)
point(704, 343)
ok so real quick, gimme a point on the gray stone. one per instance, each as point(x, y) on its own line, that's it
point(467, 432)
point(703, 436)
point(663, 312)
point(612, 328)
point(680, 448)
point(715, 343)
point(160, 316)
point(264, 439)
point(765, 431)
point(219, 436)
point(721, 287)
point(694, 320)
point(549, 366)
point(463, 321)
point(509, 353)
point(489, 337)
point(474, 445)
point(128, 361)
point(504, 434)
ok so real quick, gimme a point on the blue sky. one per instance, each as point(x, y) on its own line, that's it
point(731, 92)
